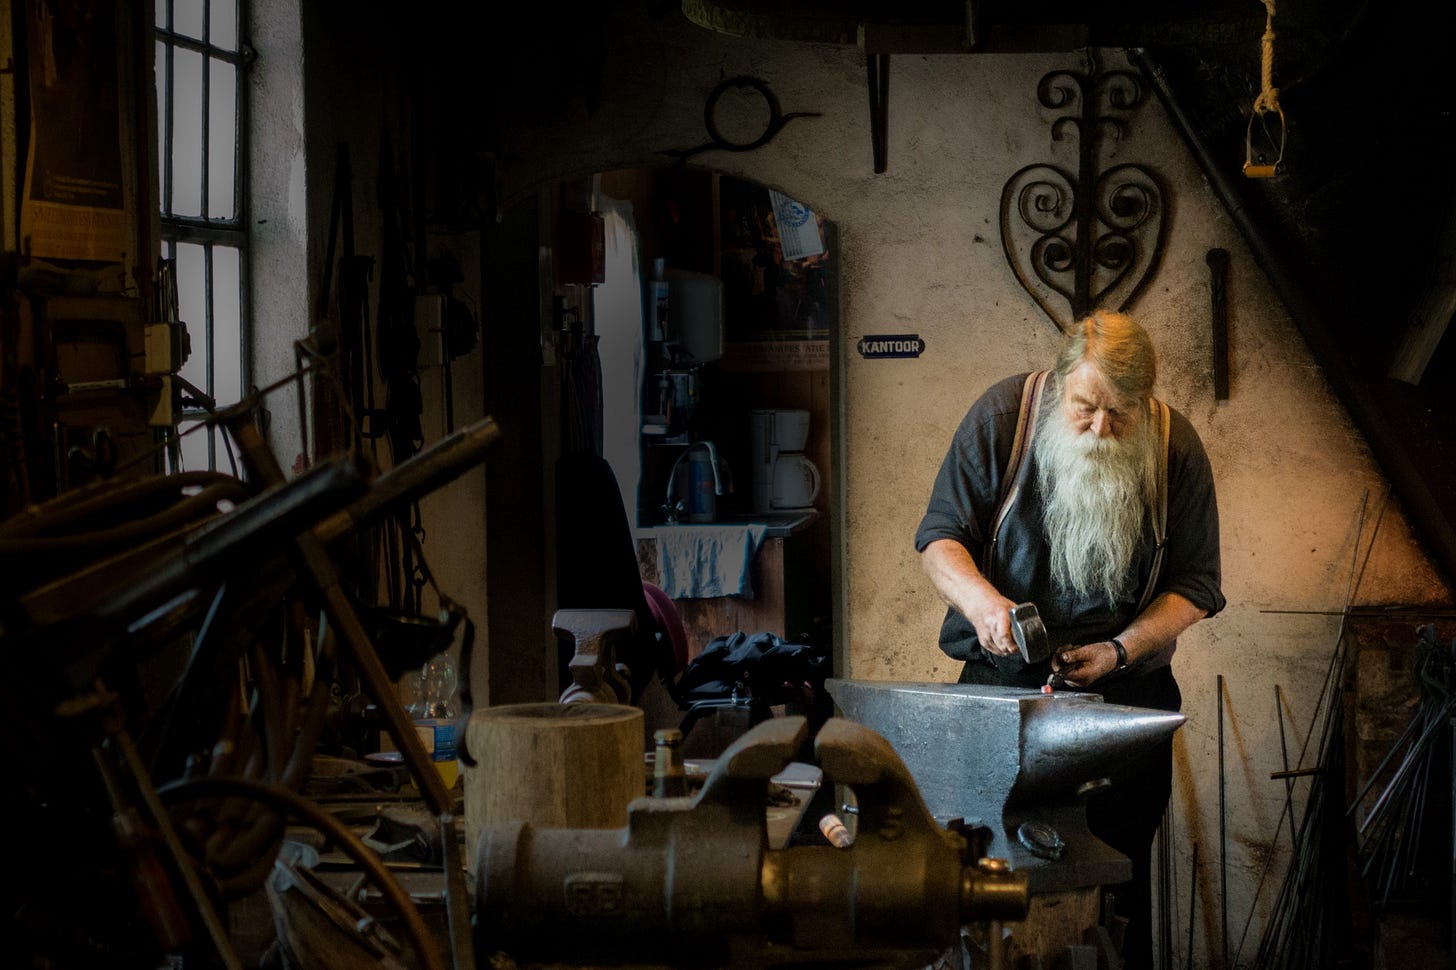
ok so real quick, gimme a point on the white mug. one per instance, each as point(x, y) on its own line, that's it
point(795, 481)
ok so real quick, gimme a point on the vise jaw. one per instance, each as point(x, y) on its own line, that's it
point(691, 881)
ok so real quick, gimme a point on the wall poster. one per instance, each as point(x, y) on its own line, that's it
point(73, 204)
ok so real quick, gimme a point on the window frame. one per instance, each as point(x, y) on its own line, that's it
point(204, 230)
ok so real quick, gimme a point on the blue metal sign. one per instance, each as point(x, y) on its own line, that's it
point(881, 345)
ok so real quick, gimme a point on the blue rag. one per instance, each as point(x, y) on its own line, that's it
point(698, 562)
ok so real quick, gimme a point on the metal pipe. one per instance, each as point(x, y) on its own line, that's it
point(1379, 431)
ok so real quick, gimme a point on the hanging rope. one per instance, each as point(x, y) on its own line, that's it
point(1266, 103)
point(1268, 99)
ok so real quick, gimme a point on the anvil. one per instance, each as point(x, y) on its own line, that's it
point(1018, 761)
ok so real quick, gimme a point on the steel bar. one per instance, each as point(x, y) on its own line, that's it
point(1222, 833)
point(1397, 746)
point(1193, 905)
point(1284, 755)
point(1165, 916)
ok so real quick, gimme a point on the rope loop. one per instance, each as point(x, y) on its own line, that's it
point(1268, 99)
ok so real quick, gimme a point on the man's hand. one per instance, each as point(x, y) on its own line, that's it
point(961, 585)
point(991, 616)
point(1081, 666)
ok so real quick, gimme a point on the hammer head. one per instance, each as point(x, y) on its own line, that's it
point(1030, 633)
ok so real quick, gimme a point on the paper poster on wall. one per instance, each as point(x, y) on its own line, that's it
point(73, 204)
point(798, 229)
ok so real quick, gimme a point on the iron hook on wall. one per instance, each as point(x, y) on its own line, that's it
point(776, 121)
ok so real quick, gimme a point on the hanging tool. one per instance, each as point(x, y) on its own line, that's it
point(1257, 165)
point(1218, 263)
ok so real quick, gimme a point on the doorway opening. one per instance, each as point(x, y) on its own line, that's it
point(715, 325)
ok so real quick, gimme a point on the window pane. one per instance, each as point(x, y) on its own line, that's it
point(193, 447)
point(222, 130)
point(187, 17)
point(186, 133)
point(227, 315)
point(192, 309)
point(161, 12)
point(224, 26)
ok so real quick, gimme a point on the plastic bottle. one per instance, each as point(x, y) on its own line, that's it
point(436, 723)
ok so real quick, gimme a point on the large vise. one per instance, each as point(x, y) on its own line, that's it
point(1018, 761)
point(691, 880)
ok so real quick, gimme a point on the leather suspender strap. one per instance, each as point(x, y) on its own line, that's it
point(1011, 478)
point(1159, 414)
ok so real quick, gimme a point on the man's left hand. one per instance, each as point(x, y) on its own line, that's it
point(1081, 666)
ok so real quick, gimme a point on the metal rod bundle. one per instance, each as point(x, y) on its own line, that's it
point(1392, 848)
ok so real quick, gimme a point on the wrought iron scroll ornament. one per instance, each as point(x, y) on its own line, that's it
point(1092, 238)
point(776, 119)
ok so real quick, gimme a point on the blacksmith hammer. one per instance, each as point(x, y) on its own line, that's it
point(1030, 633)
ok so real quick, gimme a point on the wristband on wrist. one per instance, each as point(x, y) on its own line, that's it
point(1121, 654)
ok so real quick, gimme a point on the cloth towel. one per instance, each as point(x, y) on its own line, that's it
point(698, 562)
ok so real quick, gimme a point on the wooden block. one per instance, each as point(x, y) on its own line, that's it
point(552, 765)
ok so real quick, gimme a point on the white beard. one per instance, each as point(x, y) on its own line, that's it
point(1096, 492)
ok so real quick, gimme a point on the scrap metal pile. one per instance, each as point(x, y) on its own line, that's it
point(176, 647)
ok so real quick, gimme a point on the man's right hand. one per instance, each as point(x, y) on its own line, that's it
point(991, 616)
point(960, 584)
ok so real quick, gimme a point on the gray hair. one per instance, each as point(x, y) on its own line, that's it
point(1118, 347)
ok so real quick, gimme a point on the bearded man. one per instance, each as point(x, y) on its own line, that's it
point(1072, 527)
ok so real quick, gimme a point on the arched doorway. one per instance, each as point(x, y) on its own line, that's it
point(598, 386)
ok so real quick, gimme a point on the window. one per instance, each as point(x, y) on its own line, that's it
point(200, 60)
